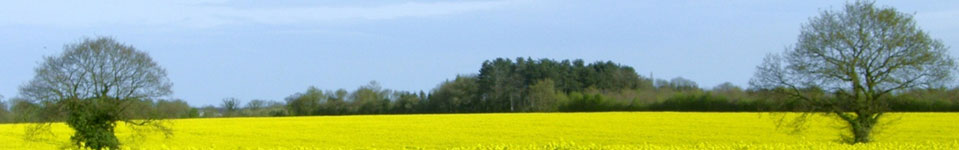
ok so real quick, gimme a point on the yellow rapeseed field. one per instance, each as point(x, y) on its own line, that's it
point(614, 130)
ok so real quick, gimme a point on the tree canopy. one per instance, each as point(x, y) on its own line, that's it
point(95, 82)
point(846, 63)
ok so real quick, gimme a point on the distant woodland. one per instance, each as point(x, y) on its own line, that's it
point(505, 85)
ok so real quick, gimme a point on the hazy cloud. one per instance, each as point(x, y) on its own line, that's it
point(199, 13)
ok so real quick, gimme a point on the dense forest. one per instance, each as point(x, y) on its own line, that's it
point(502, 85)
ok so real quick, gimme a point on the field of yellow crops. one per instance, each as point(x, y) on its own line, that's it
point(615, 130)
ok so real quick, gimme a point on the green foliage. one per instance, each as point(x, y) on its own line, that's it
point(459, 95)
point(93, 120)
point(304, 104)
point(579, 102)
point(25, 111)
point(174, 109)
point(545, 86)
point(931, 100)
point(5, 115)
point(94, 84)
point(405, 102)
point(504, 84)
point(702, 102)
point(209, 111)
point(193, 113)
point(853, 60)
point(463, 94)
point(544, 97)
point(370, 99)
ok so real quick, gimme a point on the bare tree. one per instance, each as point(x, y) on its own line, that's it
point(847, 62)
point(255, 105)
point(683, 84)
point(93, 83)
point(231, 106)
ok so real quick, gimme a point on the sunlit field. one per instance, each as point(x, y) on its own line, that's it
point(616, 130)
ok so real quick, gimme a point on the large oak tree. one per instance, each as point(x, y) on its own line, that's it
point(93, 83)
point(847, 63)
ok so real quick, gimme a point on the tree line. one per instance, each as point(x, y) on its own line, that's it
point(855, 64)
point(502, 85)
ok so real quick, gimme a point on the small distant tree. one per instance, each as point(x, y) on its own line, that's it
point(93, 82)
point(209, 111)
point(306, 103)
point(406, 102)
point(23, 110)
point(727, 87)
point(173, 108)
point(275, 108)
point(371, 99)
point(231, 106)
point(459, 95)
point(728, 90)
point(543, 96)
point(255, 105)
point(683, 84)
point(193, 113)
point(4, 111)
point(847, 62)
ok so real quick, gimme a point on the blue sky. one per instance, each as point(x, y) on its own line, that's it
point(214, 49)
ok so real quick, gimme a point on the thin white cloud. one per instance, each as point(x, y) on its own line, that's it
point(192, 13)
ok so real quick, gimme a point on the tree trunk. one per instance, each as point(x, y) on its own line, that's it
point(861, 134)
point(861, 127)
